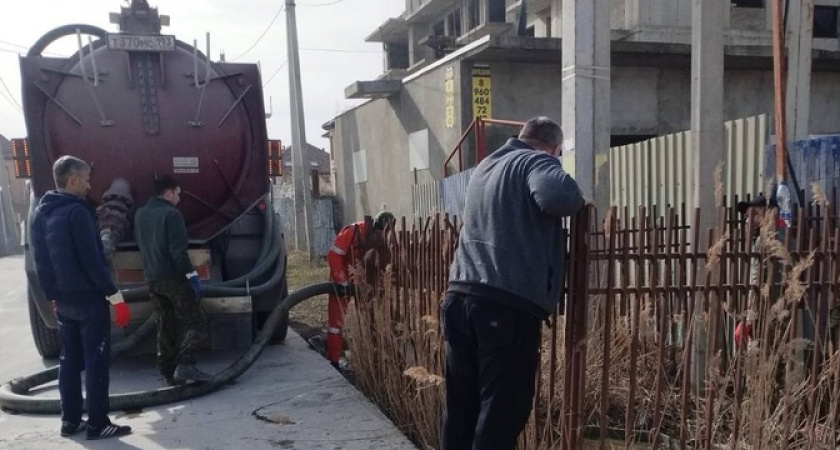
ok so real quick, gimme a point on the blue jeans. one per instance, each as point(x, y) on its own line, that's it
point(84, 327)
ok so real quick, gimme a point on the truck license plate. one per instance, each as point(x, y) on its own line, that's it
point(141, 43)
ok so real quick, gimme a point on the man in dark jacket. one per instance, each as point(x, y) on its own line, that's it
point(174, 285)
point(73, 273)
point(505, 280)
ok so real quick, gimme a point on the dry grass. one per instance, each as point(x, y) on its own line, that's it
point(819, 195)
point(310, 317)
point(398, 364)
point(397, 356)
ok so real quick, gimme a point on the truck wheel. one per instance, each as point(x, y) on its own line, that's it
point(47, 340)
point(261, 316)
point(282, 331)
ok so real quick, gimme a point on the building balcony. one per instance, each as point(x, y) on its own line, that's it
point(393, 30)
point(485, 29)
point(428, 9)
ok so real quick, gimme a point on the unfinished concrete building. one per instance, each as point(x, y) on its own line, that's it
point(448, 61)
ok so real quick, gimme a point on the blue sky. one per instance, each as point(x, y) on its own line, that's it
point(333, 51)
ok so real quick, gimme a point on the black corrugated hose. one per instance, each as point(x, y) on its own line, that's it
point(13, 398)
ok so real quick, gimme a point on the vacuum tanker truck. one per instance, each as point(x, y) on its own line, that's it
point(136, 103)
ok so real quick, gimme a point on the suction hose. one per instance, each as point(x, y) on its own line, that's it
point(13, 398)
point(269, 256)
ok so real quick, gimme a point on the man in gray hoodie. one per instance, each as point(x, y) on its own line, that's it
point(505, 280)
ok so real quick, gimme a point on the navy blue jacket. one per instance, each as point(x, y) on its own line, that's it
point(69, 257)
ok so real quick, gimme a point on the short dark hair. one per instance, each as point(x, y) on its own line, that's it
point(67, 166)
point(165, 182)
point(542, 130)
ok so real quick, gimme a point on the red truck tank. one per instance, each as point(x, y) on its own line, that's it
point(136, 103)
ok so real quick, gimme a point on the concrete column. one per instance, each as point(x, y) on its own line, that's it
point(416, 52)
point(556, 12)
point(707, 136)
point(631, 14)
point(303, 199)
point(586, 96)
point(800, 43)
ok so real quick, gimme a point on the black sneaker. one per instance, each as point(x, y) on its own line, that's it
point(171, 381)
point(190, 373)
point(109, 430)
point(69, 428)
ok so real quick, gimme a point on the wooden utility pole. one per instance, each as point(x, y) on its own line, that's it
point(779, 87)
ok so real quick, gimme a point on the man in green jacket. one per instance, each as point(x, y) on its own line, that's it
point(174, 285)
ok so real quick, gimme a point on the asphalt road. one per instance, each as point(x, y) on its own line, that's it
point(289, 399)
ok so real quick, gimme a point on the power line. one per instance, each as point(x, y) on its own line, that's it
point(26, 49)
point(274, 19)
point(275, 73)
point(14, 45)
point(317, 5)
point(338, 50)
point(11, 102)
point(14, 100)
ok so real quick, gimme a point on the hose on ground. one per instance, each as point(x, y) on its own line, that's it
point(25, 384)
point(14, 398)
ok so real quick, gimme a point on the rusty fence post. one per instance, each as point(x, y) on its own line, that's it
point(576, 328)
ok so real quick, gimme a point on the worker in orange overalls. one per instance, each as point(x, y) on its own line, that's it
point(348, 250)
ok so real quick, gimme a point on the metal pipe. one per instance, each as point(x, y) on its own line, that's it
point(457, 148)
point(207, 61)
point(779, 88)
point(93, 62)
point(195, 66)
point(81, 55)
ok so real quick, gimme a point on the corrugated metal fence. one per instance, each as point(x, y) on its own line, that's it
point(811, 161)
point(426, 199)
point(657, 173)
point(453, 191)
point(322, 220)
point(442, 196)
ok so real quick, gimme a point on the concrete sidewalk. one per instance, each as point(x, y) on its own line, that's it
point(289, 399)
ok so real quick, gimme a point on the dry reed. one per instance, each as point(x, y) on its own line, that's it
point(397, 355)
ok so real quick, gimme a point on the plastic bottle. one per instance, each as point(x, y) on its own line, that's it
point(784, 200)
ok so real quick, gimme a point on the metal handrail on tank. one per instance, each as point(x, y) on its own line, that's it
point(479, 126)
point(92, 59)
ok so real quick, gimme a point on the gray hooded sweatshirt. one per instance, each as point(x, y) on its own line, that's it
point(512, 244)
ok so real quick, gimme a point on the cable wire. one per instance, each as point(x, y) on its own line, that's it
point(274, 19)
point(318, 5)
point(275, 73)
point(14, 100)
point(338, 50)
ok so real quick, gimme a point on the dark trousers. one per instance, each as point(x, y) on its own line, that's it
point(182, 324)
point(492, 353)
point(84, 327)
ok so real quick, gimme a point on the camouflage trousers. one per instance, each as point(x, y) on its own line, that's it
point(181, 321)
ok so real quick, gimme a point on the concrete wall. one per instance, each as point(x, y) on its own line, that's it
point(645, 101)
point(382, 127)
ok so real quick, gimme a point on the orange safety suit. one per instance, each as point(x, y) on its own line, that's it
point(346, 252)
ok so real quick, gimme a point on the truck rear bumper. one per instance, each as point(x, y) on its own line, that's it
point(230, 321)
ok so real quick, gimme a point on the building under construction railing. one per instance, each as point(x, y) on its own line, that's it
point(644, 351)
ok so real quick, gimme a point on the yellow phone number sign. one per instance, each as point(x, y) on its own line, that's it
point(482, 92)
